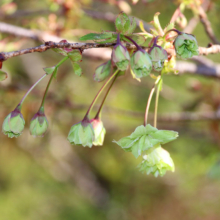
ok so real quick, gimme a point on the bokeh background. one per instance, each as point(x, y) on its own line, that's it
point(47, 178)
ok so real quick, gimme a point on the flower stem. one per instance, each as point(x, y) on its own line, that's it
point(156, 104)
point(175, 30)
point(103, 101)
point(138, 47)
point(32, 87)
point(149, 99)
point(99, 93)
point(51, 78)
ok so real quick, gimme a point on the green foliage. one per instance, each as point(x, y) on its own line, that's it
point(145, 138)
point(77, 69)
point(3, 75)
point(97, 36)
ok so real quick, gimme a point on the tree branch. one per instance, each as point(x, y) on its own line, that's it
point(82, 46)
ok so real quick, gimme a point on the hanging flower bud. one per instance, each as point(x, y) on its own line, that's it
point(13, 124)
point(120, 57)
point(99, 131)
point(158, 56)
point(157, 162)
point(39, 124)
point(186, 46)
point(141, 64)
point(102, 71)
point(82, 133)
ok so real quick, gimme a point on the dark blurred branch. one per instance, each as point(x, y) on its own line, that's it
point(207, 25)
point(171, 117)
point(195, 20)
point(23, 13)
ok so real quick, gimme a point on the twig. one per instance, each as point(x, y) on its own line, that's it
point(204, 70)
point(194, 21)
point(82, 46)
point(207, 25)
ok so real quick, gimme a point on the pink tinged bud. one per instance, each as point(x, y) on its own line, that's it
point(99, 131)
point(158, 56)
point(102, 71)
point(120, 57)
point(13, 124)
point(141, 64)
point(82, 133)
point(186, 46)
point(39, 124)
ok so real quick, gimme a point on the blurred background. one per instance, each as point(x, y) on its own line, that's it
point(47, 178)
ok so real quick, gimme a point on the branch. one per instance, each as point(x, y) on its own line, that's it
point(204, 70)
point(82, 46)
point(207, 25)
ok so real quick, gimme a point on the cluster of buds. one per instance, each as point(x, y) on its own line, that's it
point(14, 123)
point(87, 133)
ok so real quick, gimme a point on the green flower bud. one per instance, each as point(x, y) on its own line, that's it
point(186, 46)
point(39, 124)
point(3, 75)
point(99, 131)
point(141, 64)
point(158, 56)
point(82, 133)
point(120, 57)
point(102, 71)
point(13, 124)
point(157, 162)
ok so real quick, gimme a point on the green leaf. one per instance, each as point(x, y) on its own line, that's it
point(134, 76)
point(77, 69)
point(145, 138)
point(126, 143)
point(165, 136)
point(50, 70)
point(96, 36)
point(139, 39)
point(122, 23)
point(3, 75)
point(60, 51)
point(133, 25)
point(75, 55)
point(169, 27)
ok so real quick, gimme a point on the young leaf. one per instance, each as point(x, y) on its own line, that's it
point(50, 70)
point(60, 51)
point(145, 138)
point(77, 69)
point(122, 23)
point(139, 39)
point(3, 75)
point(96, 36)
point(75, 55)
point(133, 25)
